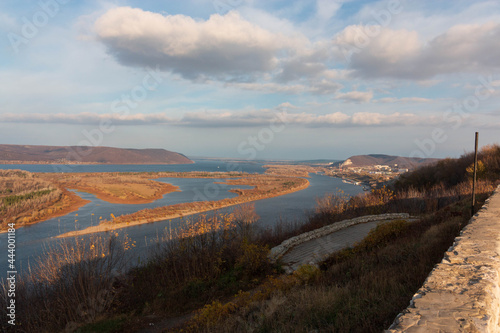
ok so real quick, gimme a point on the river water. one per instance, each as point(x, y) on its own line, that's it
point(32, 240)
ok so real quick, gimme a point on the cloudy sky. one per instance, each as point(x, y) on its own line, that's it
point(285, 79)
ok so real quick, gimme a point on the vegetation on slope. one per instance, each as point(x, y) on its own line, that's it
point(450, 172)
point(221, 280)
point(28, 198)
point(360, 289)
point(22, 154)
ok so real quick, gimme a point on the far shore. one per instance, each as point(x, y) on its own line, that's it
point(70, 163)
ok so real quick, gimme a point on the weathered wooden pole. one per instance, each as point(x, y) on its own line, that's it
point(474, 176)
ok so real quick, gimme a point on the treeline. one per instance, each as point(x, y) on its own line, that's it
point(13, 199)
point(25, 197)
point(453, 171)
point(195, 275)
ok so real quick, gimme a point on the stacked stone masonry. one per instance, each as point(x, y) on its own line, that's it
point(462, 293)
point(278, 251)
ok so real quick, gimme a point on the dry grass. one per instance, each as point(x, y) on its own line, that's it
point(336, 207)
point(360, 289)
point(120, 188)
point(264, 186)
point(218, 266)
point(291, 170)
point(70, 284)
point(196, 268)
point(450, 172)
point(79, 283)
point(27, 198)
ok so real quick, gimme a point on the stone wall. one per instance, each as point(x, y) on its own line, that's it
point(278, 251)
point(462, 293)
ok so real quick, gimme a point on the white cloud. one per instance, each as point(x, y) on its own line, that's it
point(317, 86)
point(87, 118)
point(7, 22)
point(314, 120)
point(400, 53)
point(226, 48)
point(298, 68)
point(370, 119)
point(355, 96)
point(226, 118)
point(219, 46)
point(286, 105)
point(403, 100)
point(376, 42)
point(325, 9)
point(269, 87)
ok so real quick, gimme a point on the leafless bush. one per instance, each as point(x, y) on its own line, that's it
point(71, 283)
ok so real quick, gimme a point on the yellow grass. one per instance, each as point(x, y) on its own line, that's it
point(120, 188)
point(291, 170)
point(27, 198)
point(264, 186)
point(129, 188)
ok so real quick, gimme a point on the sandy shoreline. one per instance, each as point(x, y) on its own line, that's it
point(75, 202)
point(201, 207)
point(71, 202)
point(140, 188)
point(166, 188)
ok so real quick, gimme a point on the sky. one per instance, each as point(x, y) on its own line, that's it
point(252, 79)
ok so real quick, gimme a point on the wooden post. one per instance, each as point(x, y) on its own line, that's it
point(474, 176)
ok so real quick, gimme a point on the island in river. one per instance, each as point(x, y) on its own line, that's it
point(28, 197)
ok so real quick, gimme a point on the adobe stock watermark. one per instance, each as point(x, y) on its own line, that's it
point(48, 9)
point(224, 6)
point(248, 149)
point(122, 107)
point(455, 117)
point(11, 274)
point(372, 29)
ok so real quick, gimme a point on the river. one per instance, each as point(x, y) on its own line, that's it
point(32, 240)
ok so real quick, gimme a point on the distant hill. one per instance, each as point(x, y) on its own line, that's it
point(315, 162)
point(380, 159)
point(79, 154)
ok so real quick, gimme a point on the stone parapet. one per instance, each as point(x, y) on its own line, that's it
point(278, 251)
point(462, 293)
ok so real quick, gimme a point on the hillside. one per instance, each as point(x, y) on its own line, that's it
point(79, 154)
point(392, 161)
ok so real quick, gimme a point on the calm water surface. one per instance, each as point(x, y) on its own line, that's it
point(30, 241)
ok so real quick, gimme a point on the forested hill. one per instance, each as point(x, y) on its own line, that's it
point(82, 154)
point(392, 161)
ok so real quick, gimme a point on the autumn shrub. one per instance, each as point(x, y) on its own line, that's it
point(332, 203)
point(73, 284)
point(358, 289)
point(213, 256)
point(253, 259)
point(24, 197)
point(452, 171)
point(237, 314)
